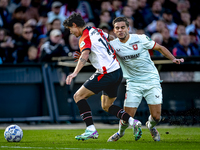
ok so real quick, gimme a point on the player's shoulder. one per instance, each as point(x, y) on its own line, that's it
point(143, 37)
point(116, 40)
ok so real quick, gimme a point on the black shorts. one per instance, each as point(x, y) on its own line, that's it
point(109, 83)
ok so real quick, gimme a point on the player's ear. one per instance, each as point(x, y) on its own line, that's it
point(74, 25)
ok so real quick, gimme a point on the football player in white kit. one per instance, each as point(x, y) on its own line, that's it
point(95, 47)
point(140, 73)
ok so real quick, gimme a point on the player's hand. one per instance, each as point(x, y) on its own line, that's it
point(77, 55)
point(70, 77)
point(178, 61)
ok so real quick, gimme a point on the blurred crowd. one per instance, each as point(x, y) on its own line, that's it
point(31, 31)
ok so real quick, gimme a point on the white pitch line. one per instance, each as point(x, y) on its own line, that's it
point(17, 147)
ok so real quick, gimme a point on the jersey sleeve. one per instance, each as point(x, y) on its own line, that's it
point(147, 42)
point(85, 43)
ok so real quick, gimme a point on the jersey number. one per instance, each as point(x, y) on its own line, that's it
point(108, 46)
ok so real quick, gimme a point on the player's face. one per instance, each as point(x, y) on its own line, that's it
point(121, 30)
point(74, 30)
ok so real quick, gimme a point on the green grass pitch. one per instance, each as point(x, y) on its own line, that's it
point(178, 138)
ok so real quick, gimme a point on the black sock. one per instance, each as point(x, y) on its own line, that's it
point(118, 112)
point(85, 112)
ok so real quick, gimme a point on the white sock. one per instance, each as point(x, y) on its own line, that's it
point(91, 128)
point(130, 121)
point(122, 127)
point(152, 122)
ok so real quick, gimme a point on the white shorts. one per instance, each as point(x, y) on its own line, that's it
point(136, 91)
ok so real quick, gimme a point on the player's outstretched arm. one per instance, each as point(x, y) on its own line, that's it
point(81, 62)
point(167, 54)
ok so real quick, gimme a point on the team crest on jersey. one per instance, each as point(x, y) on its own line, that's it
point(82, 44)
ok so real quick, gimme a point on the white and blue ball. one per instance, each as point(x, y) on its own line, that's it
point(13, 133)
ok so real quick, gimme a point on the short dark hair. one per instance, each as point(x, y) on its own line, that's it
point(121, 19)
point(74, 18)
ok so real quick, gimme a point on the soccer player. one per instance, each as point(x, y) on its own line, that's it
point(94, 47)
point(140, 73)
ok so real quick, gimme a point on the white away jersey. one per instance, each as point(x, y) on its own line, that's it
point(135, 60)
point(102, 55)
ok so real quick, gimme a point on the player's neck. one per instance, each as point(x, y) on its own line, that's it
point(125, 39)
point(81, 30)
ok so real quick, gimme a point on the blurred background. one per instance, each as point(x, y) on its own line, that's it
point(36, 55)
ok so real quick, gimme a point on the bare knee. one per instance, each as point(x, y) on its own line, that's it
point(156, 118)
point(78, 97)
point(106, 106)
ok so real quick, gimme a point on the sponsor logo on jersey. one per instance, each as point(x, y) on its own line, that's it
point(82, 44)
point(133, 43)
point(130, 56)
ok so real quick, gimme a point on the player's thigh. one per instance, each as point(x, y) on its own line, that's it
point(82, 93)
point(106, 102)
point(153, 94)
point(133, 96)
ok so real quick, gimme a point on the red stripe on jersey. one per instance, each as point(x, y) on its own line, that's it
point(101, 75)
point(154, 45)
point(85, 42)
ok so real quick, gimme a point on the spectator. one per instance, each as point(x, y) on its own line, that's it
point(32, 23)
point(168, 19)
point(5, 16)
point(155, 13)
point(195, 27)
point(79, 6)
point(55, 12)
point(127, 12)
point(6, 47)
point(131, 25)
point(155, 26)
point(31, 55)
point(168, 41)
point(23, 43)
point(116, 7)
point(73, 44)
point(42, 23)
point(18, 16)
point(31, 12)
point(105, 18)
point(193, 40)
point(54, 47)
point(17, 30)
point(184, 47)
point(182, 6)
point(86, 11)
point(55, 24)
point(105, 27)
point(143, 8)
point(185, 18)
point(180, 30)
point(140, 31)
point(11, 6)
point(140, 23)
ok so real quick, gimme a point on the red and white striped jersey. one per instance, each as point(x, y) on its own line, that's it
point(102, 55)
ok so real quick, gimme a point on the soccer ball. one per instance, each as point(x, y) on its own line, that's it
point(13, 133)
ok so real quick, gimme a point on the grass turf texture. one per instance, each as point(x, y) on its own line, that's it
point(171, 138)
